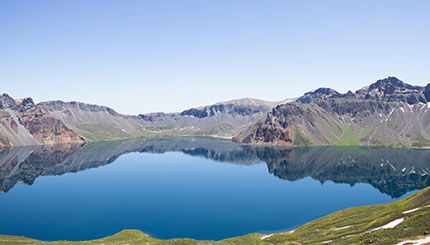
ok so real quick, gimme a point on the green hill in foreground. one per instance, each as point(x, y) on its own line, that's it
point(393, 223)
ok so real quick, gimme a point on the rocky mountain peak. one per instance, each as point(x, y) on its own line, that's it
point(6, 101)
point(325, 91)
point(25, 104)
point(320, 93)
point(392, 89)
point(389, 86)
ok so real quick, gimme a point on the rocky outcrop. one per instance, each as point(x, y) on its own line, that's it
point(388, 112)
point(277, 128)
point(47, 130)
point(24, 123)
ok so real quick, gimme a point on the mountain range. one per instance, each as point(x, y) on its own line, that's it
point(24, 123)
point(388, 112)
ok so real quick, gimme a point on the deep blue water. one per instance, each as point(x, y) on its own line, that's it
point(171, 195)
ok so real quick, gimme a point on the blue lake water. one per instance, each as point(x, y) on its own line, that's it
point(193, 188)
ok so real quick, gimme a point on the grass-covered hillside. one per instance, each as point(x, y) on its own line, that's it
point(406, 220)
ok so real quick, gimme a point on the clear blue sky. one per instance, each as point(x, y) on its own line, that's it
point(144, 56)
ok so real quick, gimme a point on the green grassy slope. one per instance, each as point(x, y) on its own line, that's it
point(95, 133)
point(360, 221)
point(349, 226)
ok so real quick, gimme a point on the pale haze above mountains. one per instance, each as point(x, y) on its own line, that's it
point(148, 56)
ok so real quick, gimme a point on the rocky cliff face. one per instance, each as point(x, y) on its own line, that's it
point(388, 112)
point(24, 123)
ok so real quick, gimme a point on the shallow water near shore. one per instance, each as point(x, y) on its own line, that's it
point(198, 188)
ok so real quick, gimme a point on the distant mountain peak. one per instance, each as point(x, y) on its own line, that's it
point(323, 90)
point(249, 102)
point(388, 86)
point(319, 93)
point(244, 107)
point(6, 101)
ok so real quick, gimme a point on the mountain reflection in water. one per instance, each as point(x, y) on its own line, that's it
point(391, 171)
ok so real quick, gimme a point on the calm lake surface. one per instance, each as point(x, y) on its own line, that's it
point(198, 188)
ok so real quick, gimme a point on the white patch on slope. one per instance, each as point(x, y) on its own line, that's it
point(410, 107)
point(389, 115)
point(412, 210)
point(390, 225)
point(266, 236)
point(421, 241)
point(341, 228)
point(348, 236)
